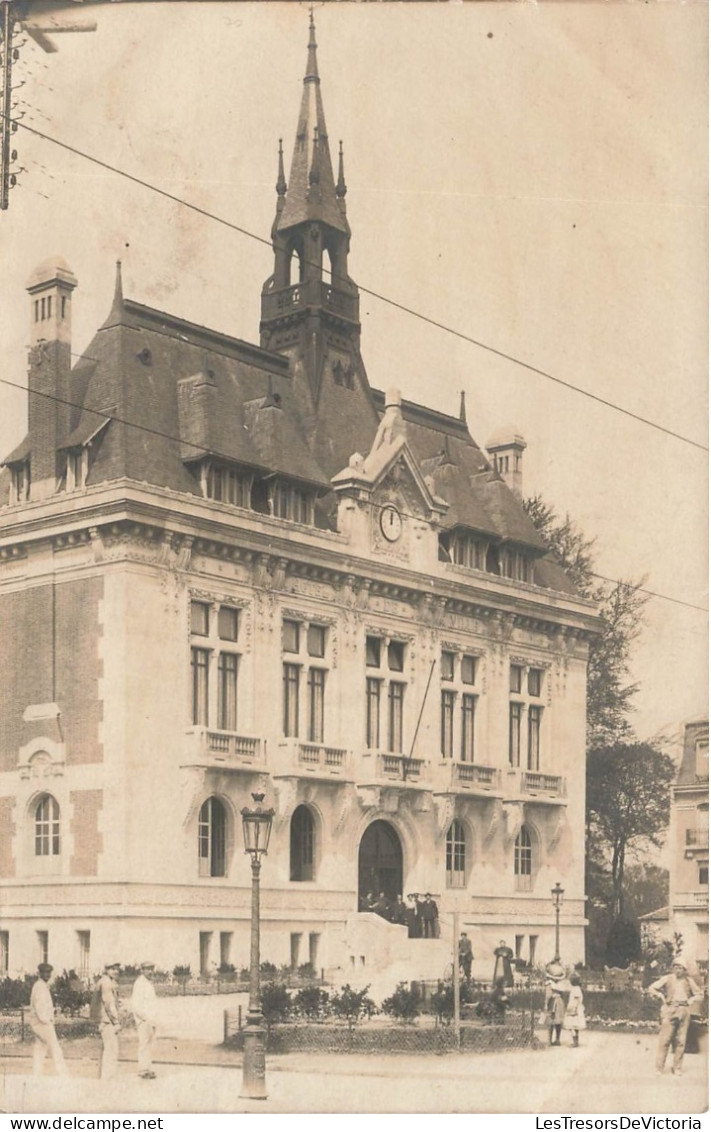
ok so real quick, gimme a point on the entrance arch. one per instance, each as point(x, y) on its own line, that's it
point(379, 862)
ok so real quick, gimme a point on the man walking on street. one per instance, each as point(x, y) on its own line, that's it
point(676, 991)
point(144, 1006)
point(105, 1011)
point(42, 1024)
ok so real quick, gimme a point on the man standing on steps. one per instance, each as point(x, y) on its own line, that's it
point(144, 1006)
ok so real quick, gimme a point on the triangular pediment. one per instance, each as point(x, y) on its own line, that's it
point(391, 472)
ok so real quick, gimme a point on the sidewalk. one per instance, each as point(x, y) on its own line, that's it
point(610, 1073)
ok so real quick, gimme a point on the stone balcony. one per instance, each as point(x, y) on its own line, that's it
point(381, 768)
point(293, 757)
point(534, 786)
point(224, 749)
point(699, 898)
point(697, 839)
point(288, 300)
point(471, 779)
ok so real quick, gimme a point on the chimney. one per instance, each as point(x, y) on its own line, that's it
point(506, 451)
point(50, 287)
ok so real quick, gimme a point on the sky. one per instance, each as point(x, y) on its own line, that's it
point(532, 175)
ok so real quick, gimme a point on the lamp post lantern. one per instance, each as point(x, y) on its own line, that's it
point(257, 828)
point(557, 893)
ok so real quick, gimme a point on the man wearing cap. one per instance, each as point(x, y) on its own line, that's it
point(144, 1006)
point(676, 991)
point(42, 1023)
point(108, 1018)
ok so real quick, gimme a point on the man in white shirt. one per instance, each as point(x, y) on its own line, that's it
point(144, 1007)
point(677, 991)
point(42, 1023)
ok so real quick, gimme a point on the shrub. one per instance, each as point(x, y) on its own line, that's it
point(306, 971)
point(227, 970)
point(269, 970)
point(276, 1003)
point(353, 1005)
point(182, 971)
point(69, 993)
point(402, 1004)
point(130, 971)
point(15, 993)
point(312, 1002)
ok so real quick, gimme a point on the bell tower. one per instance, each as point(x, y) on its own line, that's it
point(310, 305)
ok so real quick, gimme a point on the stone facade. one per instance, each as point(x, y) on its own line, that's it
point(689, 844)
point(240, 568)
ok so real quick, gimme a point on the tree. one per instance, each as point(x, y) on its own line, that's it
point(628, 804)
point(610, 690)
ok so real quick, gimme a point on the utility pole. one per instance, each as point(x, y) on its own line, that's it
point(6, 154)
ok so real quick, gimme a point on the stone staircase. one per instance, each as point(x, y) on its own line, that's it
point(380, 955)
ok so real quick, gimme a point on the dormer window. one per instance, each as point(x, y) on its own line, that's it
point(291, 501)
point(516, 564)
point(74, 472)
point(226, 483)
point(467, 549)
point(20, 482)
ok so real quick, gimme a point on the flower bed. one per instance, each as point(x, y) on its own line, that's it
point(314, 1038)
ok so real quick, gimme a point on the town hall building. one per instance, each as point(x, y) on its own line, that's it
point(228, 568)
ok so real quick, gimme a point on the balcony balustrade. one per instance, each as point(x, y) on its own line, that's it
point(225, 749)
point(379, 768)
point(699, 898)
point(313, 293)
point(469, 778)
point(532, 785)
point(311, 760)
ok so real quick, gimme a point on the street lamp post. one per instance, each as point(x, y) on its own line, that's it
point(557, 893)
point(257, 828)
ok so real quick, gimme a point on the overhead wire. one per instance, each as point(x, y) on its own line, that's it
point(206, 213)
point(108, 415)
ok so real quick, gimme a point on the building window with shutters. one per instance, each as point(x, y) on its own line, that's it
point(524, 860)
point(302, 845)
point(458, 703)
point(212, 839)
point(455, 855)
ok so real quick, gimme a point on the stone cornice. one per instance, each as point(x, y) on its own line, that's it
point(127, 509)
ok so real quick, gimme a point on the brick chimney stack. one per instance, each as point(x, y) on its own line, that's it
point(505, 448)
point(50, 287)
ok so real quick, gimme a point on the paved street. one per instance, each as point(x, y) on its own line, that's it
point(610, 1073)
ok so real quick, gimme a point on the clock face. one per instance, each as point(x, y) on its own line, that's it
point(391, 523)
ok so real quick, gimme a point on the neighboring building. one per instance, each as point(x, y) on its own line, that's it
point(226, 567)
point(689, 841)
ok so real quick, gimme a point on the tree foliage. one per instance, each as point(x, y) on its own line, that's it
point(628, 803)
point(610, 690)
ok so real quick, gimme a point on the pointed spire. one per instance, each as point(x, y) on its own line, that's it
point(341, 189)
point(281, 179)
point(463, 406)
point(118, 286)
point(311, 62)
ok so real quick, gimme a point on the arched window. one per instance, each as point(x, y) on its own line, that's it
point(212, 838)
point(523, 860)
point(456, 855)
point(302, 845)
point(47, 827)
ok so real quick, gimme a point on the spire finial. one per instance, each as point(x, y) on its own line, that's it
point(281, 179)
point(341, 189)
point(314, 170)
point(118, 287)
point(311, 63)
point(463, 406)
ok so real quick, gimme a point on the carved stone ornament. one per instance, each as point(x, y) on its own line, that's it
point(41, 765)
point(558, 822)
point(494, 819)
point(287, 793)
point(446, 808)
point(514, 815)
point(192, 788)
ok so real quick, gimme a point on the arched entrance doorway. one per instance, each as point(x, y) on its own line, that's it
point(379, 862)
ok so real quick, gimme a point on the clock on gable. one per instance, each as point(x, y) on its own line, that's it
point(390, 523)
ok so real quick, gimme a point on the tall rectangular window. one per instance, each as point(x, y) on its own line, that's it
point(447, 724)
point(199, 618)
point(227, 691)
point(515, 678)
point(372, 701)
point(291, 700)
point(396, 697)
point(4, 952)
point(468, 714)
point(316, 688)
point(43, 946)
point(535, 715)
point(227, 623)
point(84, 941)
point(535, 678)
point(200, 659)
point(290, 636)
point(515, 712)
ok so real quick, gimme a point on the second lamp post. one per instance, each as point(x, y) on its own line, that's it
point(257, 828)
